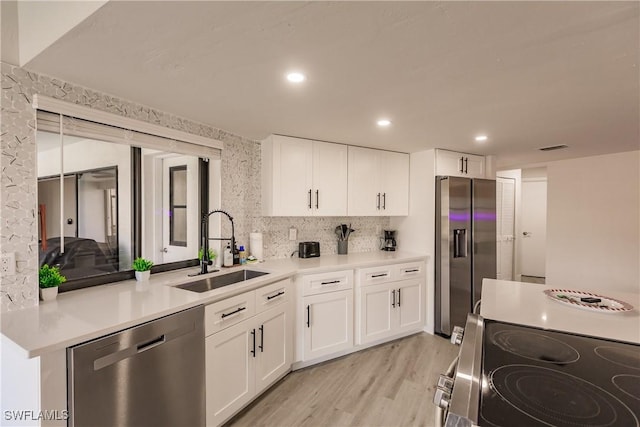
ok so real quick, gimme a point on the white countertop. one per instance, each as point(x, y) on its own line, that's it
point(527, 304)
point(89, 313)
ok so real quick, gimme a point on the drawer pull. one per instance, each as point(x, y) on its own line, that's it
point(233, 312)
point(330, 283)
point(275, 296)
point(379, 275)
point(415, 270)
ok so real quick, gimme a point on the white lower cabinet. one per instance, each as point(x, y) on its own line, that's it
point(328, 323)
point(245, 358)
point(392, 307)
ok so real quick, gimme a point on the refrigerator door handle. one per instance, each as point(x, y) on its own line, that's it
point(460, 243)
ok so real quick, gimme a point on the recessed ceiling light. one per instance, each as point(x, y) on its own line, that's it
point(296, 77)
point(481, 138)
point(384, 122)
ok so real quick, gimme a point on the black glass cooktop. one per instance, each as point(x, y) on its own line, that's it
point(533, 377)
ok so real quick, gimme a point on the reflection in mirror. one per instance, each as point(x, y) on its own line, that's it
point(95, 217)
point(170, 206)
point(86, 207)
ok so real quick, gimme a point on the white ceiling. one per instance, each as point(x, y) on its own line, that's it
point(528, 74)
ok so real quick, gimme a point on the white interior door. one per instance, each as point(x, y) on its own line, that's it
point(505, 217)
point(534, 227)
point(180, 223)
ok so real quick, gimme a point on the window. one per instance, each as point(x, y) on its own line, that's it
point(107, 195)
point(178, 205)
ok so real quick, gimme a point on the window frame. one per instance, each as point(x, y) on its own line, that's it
point(137, 134)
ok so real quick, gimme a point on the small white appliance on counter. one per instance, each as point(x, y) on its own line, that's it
point(529, 359)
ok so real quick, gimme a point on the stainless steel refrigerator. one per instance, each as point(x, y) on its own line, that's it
point(465, 246)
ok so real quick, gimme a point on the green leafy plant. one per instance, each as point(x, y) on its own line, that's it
point(50, 277)
point(142, 264)
point(211, 252)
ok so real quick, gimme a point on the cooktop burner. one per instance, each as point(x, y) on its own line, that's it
point(534, 377)
point(629, 384)
point(620, 356)
point(558, 399)
point(535, 346)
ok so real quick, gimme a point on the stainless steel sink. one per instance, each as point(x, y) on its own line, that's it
point(216, 282)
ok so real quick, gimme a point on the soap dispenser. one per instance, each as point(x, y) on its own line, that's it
point(227, 259)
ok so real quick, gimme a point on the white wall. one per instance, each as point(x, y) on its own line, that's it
point(91, 210)
point(416, 232)
point(593, 230)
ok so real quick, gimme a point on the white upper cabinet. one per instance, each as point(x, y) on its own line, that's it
point(451, 163)
point(301, 177)
point(378, 182)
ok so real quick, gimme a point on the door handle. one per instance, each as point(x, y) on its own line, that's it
point(308, 316)
point(526, 233)
point(269, 298)
point(384, 201)
point(398, 297)
point(233, 312)
point(393, 296)
point(261, 339)
point(378, 203)
point(253, 336)
point(466, 165)
point(317, 199)
point(461, 164)
point(309, 198)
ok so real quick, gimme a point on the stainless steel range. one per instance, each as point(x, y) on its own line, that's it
point(513, 375)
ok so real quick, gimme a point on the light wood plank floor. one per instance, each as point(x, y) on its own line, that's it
point(388, 385)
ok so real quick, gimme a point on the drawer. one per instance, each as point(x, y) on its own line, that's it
point(222, 314)
point(410, 270)
point(313, 284)
point(374, 275)
point(272, 295)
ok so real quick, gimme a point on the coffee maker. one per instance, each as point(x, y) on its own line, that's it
point(388, 242)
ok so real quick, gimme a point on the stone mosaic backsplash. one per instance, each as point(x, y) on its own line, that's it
point(240, 182)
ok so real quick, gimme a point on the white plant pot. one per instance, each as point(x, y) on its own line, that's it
point(142, 276)
point(49, 294)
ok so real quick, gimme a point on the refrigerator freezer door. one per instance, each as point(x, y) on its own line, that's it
point(484, 233)
point(453, 249)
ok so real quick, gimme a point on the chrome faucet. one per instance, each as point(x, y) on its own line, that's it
point(204, 232)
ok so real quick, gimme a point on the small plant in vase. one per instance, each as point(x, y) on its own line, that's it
point(212, 254)
point(49, 278)
point(142, 268)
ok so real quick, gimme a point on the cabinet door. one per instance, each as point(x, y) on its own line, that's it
point(329, 179)
point(230, 379)
point(395, 185)
point(291, 174)
point(409, 304)
point(274, 346)
point(376, 313)
point(328, 323)
point(474, 166)
point(449, 163)
point(364, 177)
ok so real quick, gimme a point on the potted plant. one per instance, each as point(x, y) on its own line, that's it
point(142, 267)
point(211, 252)
point(49, 279)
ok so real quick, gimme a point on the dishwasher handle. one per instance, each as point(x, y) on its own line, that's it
point(151, 344)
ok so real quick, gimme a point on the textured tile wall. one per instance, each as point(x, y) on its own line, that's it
point(240, 182)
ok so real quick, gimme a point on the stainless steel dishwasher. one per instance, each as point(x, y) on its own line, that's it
point(149, 375)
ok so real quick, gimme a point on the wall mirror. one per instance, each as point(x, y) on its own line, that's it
point(104, 201)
